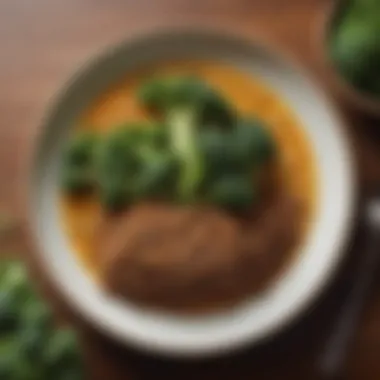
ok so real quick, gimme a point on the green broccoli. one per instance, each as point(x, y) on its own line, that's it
point(158, 174)
point(165, 94)
point(233, 192)
point(158, 170)
point(78, 171)
point(187, 104)
point(253, 141)
point(9, 357)
point(134, 162)
point(116, 165)
point(31, 347)
point(9, 311)
point(242, 149)
point(13, 295)
point(197, 149)
point(61, 356)
point(354, 44)
point(220, 153)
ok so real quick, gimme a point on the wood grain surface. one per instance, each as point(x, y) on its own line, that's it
point(42, 41)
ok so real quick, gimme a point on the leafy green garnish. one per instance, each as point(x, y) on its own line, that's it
point(355, 44)
point(78, 163)
point(192, 151)
point(31, 346)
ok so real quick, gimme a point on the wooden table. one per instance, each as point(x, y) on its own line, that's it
point(43, 40)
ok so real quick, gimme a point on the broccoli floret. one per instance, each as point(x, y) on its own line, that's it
point(37, 315)
point(167, 93)
point(78, 163)
point(186, 103)
point(217, 152)
point(115, 195)
point(13, 295)
point(8, 312)
point(220, 153)
point(134, 162)
point(233, 192)
point(9, 357)
point(354, 48)
point(31, 343)
point(354, 44)
point(61, 355)
point(242, 149)
point(31, 347)
point(254, 142)
point(158, 170)
point(158, 174)
point(77, 181)
point(116, 165)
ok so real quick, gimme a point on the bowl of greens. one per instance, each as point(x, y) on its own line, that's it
point(351, 46)
point(311, 150)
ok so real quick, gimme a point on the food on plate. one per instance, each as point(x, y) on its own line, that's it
point(78, 169)
point(197, 151)
point(186, 255)
point(188, 185)
point(354, 44)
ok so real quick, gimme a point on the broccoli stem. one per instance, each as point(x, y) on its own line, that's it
point(182, 130)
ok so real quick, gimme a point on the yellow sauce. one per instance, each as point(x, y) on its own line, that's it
point(249, 95)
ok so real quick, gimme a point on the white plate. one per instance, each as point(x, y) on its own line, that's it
point(258, 317)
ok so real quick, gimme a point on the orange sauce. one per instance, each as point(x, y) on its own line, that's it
point(249, 95)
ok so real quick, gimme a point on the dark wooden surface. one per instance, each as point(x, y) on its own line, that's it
point(42, 41)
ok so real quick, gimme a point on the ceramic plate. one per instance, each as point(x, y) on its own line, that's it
point(260, 316)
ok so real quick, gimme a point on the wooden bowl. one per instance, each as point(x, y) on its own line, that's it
point(348, 92)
